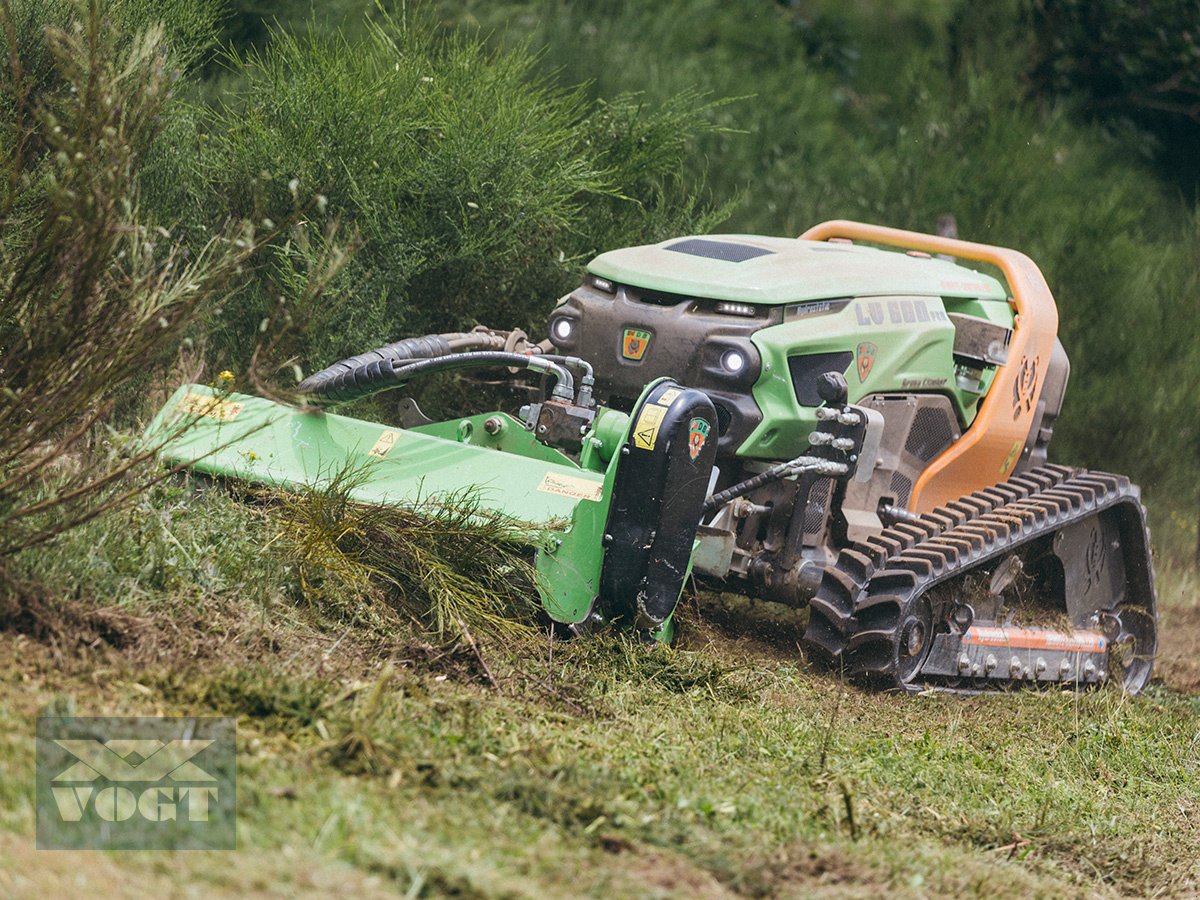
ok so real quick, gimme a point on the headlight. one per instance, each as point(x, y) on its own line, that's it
point(602, 284)
point(562, 328)
point(733, 361)
point(736, 309)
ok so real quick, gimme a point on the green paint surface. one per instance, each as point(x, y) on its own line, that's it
point(793, 271)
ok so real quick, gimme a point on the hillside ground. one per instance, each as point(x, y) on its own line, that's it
point(374, 762)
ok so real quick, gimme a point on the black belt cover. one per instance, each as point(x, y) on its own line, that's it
point(658, 497)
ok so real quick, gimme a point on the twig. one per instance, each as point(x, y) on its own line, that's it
point(479, 656)
point(1018, 843)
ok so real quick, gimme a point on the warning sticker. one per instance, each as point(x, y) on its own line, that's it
point(384, 445)
point(570, 486)
point(1013, 452)
point(645, 431)
point(1034, 639)
point(669, 396)
point(212, 407)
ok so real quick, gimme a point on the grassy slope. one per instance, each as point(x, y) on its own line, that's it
point(372, 761)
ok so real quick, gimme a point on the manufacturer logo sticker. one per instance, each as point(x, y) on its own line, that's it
point(697, 434)
point(120, 783)
point(866, 359)
point(635, 343)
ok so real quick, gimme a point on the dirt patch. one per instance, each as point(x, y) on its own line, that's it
point(258, 873)
point(663, 874)
point(217, 632)
point(806, 871)
point(738, 627)
point(1178, 663)
point(66, 624)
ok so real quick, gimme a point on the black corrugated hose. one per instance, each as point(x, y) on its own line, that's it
point(390, 366)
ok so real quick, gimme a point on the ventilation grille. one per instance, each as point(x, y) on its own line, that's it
point(931, 433)
point(818, 504)
point(902, 488)
point(726, 251)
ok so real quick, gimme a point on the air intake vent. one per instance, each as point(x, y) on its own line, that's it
point(917, 429)
point(931, 433)
point(902, 488)
point(818, 503)
point(727, 251)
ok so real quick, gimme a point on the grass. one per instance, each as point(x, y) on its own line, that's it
point(376, 758)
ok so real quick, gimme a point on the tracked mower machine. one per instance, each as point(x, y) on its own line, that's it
point(844, 422)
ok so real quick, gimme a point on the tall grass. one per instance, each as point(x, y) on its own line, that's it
point(445, 563)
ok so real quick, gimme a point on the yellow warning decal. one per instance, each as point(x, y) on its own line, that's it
point(386, 442)
point(211, 407)
point(1012, 457)
point(668, 396)
point(570, 486)
point(645, 432)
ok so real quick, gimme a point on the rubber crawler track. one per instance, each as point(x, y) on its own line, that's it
point(854, 617)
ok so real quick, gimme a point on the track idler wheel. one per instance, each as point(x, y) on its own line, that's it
point(916, 637)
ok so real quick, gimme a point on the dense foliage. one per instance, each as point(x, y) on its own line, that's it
point(1128, 62)
point(902, 112)
point(475, 186)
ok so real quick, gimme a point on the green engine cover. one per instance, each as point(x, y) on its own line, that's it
point(788, 309)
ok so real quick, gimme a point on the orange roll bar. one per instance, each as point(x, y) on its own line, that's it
point(991, 447)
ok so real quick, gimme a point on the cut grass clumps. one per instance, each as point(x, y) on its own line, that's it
point(447, 564)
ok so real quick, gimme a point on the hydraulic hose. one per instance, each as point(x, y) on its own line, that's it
point(430, 346)
point(795, 466)
point(383, 374)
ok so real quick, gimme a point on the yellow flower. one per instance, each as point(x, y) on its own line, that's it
point(226, 376)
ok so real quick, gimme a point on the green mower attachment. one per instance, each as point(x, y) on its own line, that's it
point(616, 525)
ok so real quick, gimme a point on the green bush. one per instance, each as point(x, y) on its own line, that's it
point(1127, 62)
point(474, 185)
point(95, 296)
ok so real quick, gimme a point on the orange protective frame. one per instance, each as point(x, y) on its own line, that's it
point(991, 447)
